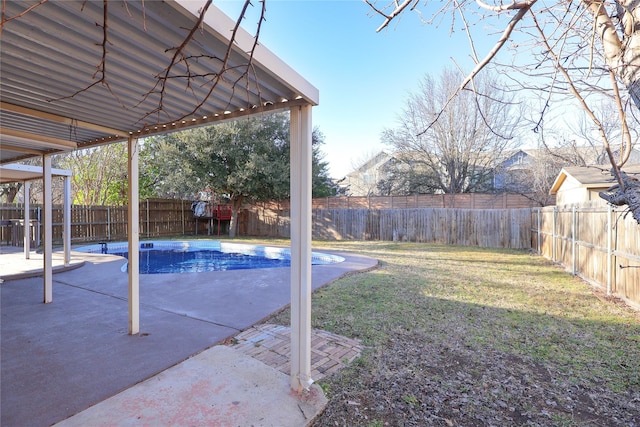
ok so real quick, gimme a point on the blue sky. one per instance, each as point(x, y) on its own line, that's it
point(364, 77)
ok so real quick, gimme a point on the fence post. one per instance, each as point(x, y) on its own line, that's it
point(148, 231)
point(573, 239)
point(609, 249)
point(109, 223)
point(553, 234)
point(182, 214)
point(539, 231)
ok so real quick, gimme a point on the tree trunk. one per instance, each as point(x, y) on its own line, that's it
point(622, 56)
point(629, 195)
point(236, 203)
point(11, 191)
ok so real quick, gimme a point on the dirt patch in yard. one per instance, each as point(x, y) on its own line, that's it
point(459, 336)
point(410, 384)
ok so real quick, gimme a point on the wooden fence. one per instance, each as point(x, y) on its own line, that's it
point(158, 217)
point(595, 242)
point(451, 201)
point(503, 228)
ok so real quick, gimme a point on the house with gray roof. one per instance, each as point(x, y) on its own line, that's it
point(579, 184)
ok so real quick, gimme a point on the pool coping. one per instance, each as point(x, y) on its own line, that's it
point(265, 251)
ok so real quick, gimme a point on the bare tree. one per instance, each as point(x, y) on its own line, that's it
point(457, 152)
point(99, 174)
point(588, 49)
point(531, 172)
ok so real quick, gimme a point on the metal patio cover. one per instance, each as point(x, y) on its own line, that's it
point(53, 99)
point(59, 91)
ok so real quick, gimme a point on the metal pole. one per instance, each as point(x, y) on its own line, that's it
point(133, 234)
point(48, 229)
point(27, 219)
point(301, 154)
point(66, 219)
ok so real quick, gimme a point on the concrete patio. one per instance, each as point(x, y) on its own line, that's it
point(72, 361)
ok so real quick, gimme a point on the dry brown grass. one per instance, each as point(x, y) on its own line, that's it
point(471, 336)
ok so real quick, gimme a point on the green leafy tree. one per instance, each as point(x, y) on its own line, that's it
point(99, 174)
point(322, 185)
point(243, 159)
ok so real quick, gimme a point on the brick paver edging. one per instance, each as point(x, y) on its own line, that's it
point(271, 344)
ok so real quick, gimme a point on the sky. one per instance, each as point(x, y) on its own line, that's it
point(364, 78)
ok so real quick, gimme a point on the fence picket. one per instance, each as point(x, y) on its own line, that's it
point(158, 217)
point(596, 242)
point(599, 244)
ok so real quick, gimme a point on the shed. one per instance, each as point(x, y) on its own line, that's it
point(579, 184)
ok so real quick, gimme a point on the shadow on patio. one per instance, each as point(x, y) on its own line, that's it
point(61, 358)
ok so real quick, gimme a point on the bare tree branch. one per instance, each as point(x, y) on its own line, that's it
point(627, 143)
point(496, 48)
point(4, 18)
point(214, 78)
point(397, 11)
point(101, 68)
point(581, 100)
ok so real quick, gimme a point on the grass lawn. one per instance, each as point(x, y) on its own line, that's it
point(472, 336)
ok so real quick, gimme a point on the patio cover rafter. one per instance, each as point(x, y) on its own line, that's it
point(5, 106)
point(40, 141)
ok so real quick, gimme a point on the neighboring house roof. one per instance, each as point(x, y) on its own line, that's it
point(590, 176)
point(373, 163)
point(590, 154)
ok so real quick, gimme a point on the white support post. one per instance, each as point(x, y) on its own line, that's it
point(301, 154)
point(48, 229)
point(66, 231)
point(133, 234)
point(27, 219)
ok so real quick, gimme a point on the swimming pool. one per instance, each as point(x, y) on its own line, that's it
point(168, 256)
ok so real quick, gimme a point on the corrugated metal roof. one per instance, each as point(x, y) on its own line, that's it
point(51, 59)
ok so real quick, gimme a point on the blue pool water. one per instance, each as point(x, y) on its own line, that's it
point(160, 257)
point(178, 261)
